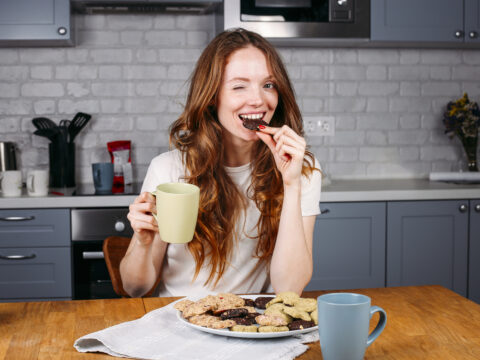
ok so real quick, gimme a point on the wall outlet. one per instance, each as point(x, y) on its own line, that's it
point(319, 125)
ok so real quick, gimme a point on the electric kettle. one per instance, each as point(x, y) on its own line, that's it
point(8, 159)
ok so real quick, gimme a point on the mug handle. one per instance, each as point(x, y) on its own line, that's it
point(380, 325)
point(30, 183)
point(154, 215)
point(96, 177)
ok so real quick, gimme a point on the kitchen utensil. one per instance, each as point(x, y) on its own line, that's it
point(64, 125)
point(43, 123)
point(50, 134)
point(77, 124)
point(8, 160)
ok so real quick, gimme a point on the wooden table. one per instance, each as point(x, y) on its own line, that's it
point(424, 322)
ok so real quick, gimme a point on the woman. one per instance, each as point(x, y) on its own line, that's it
point(259, 190)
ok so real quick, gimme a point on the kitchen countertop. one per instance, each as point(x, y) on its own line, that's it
point(336, 191)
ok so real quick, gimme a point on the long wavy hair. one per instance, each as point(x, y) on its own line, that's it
point(197, 133)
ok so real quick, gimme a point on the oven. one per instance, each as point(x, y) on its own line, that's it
point(89, 228)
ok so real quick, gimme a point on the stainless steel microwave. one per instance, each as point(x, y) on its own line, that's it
point(300, 19)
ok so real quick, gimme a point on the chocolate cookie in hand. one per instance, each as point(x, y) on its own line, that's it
point(253, 124)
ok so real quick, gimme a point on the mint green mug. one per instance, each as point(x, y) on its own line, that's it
point(177, 211)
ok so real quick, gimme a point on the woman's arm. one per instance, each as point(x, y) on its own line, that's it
point(140, 268)
point(291, 265)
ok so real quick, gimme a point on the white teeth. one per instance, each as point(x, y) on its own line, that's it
point(251, 116)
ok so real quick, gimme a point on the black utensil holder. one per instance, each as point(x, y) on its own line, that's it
point(62, 164)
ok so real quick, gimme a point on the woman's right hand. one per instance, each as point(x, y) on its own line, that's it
point(141, 219)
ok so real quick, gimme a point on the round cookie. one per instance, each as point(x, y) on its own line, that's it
point(296, 313)
point(300, 325)
point(306, 304)
point(314, 316)
point(272, 328)
point(244, 328)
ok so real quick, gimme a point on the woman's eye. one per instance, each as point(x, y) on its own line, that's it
point(270, 85)
point(238, 87)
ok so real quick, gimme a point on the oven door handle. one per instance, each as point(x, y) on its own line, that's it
point(92, 255)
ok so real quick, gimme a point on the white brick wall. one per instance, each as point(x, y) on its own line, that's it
point(130, 72)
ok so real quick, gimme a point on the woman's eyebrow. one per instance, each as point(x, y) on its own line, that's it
point(268, 78)
point(238, 79)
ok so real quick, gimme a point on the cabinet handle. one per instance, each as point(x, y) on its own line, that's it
point(17, 218)
point(92, 255)
point(477, 208)
point(472, 34)
point(17, 257)
point(459, 34)
point(463, 208)
point(324, 211)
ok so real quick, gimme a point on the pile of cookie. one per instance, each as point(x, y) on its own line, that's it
point(285, 312)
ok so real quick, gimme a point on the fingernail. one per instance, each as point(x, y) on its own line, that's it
point(261, 127)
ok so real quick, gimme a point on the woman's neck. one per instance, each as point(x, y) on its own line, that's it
point(237, 152)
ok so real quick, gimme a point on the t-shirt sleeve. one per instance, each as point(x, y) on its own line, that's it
point(311, 189)
point(163, 168)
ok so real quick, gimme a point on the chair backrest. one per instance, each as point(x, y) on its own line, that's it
point(114, 249)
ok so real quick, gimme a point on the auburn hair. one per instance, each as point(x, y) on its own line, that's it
point(197, 133)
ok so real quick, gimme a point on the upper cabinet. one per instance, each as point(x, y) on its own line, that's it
point(434, 21)
point(35, 23)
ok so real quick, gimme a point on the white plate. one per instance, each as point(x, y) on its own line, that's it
point(247, 335)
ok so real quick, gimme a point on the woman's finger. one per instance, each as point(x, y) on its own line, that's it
point(289, 141)
point(142, 225)
point(144, 197)
point(287, 150)
point(143, 207)
point(287, 131)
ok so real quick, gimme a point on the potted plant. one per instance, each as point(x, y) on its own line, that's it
point(462, 118)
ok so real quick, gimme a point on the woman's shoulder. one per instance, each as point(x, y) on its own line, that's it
point(167, 158)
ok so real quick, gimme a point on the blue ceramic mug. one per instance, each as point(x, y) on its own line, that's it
point(343, 323)
point(103, 177)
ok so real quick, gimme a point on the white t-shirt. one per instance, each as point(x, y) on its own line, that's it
point(179, 266)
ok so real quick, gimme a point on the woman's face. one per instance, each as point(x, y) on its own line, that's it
point(247, 91)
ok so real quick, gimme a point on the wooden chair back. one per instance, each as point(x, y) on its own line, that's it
point(114, 249)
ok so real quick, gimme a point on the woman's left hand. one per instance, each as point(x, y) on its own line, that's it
point(288, 149)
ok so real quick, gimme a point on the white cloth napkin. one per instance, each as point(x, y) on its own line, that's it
point(160, 335)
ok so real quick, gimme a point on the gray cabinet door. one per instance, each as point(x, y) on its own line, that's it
point(472, 21)
point(427, 243)
point(35, 23)
point(417, 21)
point(34, 227)
point(349, 246)
point(35, 273)
point(474, 252)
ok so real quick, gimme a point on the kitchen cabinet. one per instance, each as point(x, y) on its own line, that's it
point(434, 21)
point(474, 252)
point(35, 23)
point(427, 243)
point(349, 246)
point(35, 258)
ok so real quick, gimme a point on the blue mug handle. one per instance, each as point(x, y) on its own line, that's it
point(96, 177)
point(380, 326)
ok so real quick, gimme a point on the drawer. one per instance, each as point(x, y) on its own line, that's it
point(42, 273)
point(34, 228)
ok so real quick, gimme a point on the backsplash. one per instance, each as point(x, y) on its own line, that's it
point(130, 73)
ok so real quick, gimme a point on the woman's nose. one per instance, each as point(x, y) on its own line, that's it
point(255, 98)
